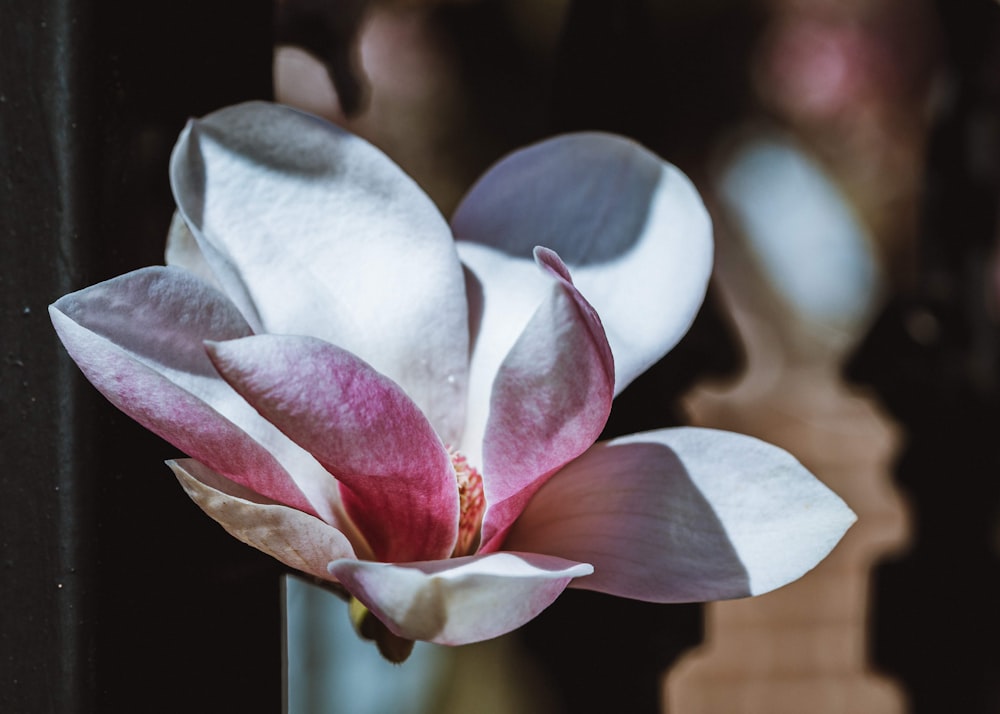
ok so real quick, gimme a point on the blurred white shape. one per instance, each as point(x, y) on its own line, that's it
point(330, 670)
point(811, 247)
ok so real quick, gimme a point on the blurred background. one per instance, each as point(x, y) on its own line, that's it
point(849, 152)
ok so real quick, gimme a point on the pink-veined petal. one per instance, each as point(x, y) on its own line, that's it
point(396, 479)
point(500, 306)
point(631, 227)
point(313, 231)
point(551, 399)
point(298, 540)
point(459, 600)
point(138, 339)
point(686, 514)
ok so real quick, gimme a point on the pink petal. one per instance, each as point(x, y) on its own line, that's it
point(298, 540)
point(459, 600)
point(396, 479)
point(551, 399)
point(313, 231)
point(138, 339)
point(682, 515)
point(503, 296)
point(631, 227)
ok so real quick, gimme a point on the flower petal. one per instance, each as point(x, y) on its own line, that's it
point(459, 600)
point(298, 540)
point(396, 479)
point(138, 339)
point(313, 231)
point(182, 251)
point(551, 399)
point(500, 308)
point(681, 515)
point(631, 228)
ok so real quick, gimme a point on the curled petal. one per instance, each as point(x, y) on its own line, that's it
point(182, 251)
point(551, 399)
point(631, 228)
point(396, 479)
point(298, 540)
point(681, 515)
point(459, 600)
point(138, 339)
point(313, 231)
point(503, 295)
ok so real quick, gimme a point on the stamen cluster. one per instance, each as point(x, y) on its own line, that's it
point(471, 503)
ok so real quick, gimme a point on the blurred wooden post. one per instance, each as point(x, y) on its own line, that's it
point(804, 647)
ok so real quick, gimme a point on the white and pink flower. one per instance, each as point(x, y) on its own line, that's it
point(409, 409)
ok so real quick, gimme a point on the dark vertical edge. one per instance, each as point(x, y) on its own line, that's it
point(46, 223)
point(189, 617)
point(117, 594)
point(935, 622)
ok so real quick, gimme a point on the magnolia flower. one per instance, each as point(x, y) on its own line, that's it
point(409, 410)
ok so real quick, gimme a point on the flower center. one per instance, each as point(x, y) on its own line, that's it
point(471, 504)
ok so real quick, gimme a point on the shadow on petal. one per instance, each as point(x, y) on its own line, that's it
point(523, 201)
point(476, 297)
point(458, 600)
point(634, 511)
point(275, 138)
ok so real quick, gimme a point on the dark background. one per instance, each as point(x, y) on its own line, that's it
point(119, 596)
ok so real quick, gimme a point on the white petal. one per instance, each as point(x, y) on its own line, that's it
point(459, 600)
point(139, 338)
point(182, 251)
point(298, 540)
point(313, 231)
point(685, 514)
point(631, 228)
